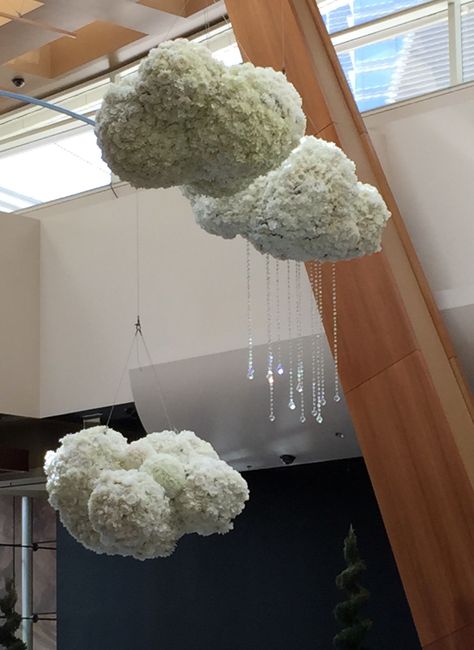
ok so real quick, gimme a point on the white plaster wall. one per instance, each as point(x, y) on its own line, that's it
point(425, 147)
point(193, 290)
point(19, 317)
point(193, 293)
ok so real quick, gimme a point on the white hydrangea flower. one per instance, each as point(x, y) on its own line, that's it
point(72, 472)
point(183, 445)
point(136, 454)
point(167, 470)
point(132, 515)
point(187, 119)
point(372, 215)
point(311, 207)
point(214, 494)
point(227, 216)
point(138, 499)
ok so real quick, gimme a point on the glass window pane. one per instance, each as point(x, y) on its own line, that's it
point(51, 169)
point(413, 63)
point(342, 14)
point(468, 42)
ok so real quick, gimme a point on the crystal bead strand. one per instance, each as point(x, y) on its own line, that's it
point(319, 346)
point(279, 368)
point(250, 367)
point(299, 345)
point(270, 377)
point(291, 402)
point(337, 396)
point(314, 376)
point(321, 329)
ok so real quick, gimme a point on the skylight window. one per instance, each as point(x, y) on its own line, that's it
point(390, 50)
point(51, 169)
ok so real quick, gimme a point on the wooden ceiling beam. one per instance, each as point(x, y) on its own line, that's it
point(183, 8)
point(13, 460)
point(37, 23)
point(407, 398)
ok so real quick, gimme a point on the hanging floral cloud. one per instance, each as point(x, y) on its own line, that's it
point(187, 119)
point(311, 208)
point(139, 499)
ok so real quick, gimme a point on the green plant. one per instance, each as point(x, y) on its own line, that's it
point(347, 613)
point(12, 619)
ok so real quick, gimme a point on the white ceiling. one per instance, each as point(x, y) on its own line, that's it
point(212, 396)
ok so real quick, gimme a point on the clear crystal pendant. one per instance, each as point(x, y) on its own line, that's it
point(280, 370)
point(250, 366)
point(337, 396)
point(270, 376)
point(299, 345)
point(291, 402)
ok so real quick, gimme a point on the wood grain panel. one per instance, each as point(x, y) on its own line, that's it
point(467, 395)
point(178, 7)
point(366, 289)
point(368, 301)
point(65, 54)
point(271, 38)
point(460, 640)
point(17, 8)
point(406, 399)
point(424, 493)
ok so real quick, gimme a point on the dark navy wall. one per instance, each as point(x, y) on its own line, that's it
point(268, 585)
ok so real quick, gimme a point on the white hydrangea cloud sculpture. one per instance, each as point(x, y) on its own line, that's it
point(139, 499)
point(187, 119)
point(311, 208)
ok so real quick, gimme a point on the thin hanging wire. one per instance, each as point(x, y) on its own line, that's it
point(229, 24)
point(283, 45)
point(337, 396)
point(138, 336)
point(122, 375)
point(13, 538)
point(250, 366)
point(269, 375)
point(280, 370)
point(291, 401)
point(137, 270)
point(177, 19)
point(157, 380)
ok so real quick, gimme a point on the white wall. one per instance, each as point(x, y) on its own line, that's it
point(426, 149)
point(193, 293)
point(193, 290)
point(19, 318)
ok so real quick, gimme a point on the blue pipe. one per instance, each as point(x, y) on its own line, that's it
point(40, 102)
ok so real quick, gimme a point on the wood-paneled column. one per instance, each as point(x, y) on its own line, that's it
point(410, 405)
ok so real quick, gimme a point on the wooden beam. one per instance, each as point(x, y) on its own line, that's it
point(13, 460)
point(37, 23)
point(183, 8)
point(407, 397)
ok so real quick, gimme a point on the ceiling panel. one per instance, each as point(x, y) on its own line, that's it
point(60, 44)
point(10, 9)
point(64, 54)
